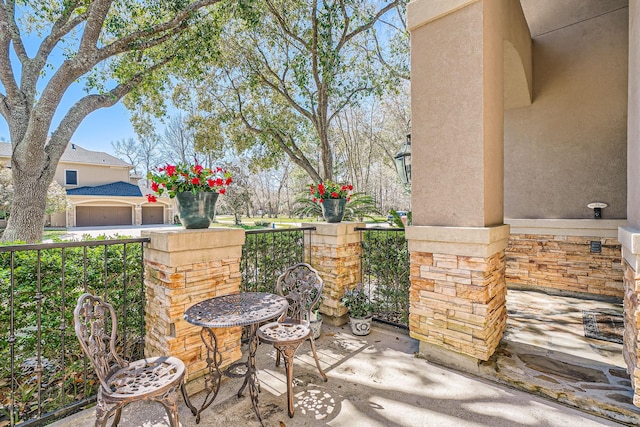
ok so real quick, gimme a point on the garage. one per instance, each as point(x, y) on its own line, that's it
point(152, 215)
point(87, 216)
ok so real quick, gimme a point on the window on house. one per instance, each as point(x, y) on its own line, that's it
point(70, 177)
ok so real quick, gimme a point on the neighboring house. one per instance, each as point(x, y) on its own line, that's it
point(100, 191)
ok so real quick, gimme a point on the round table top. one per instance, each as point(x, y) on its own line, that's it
point(241, 309)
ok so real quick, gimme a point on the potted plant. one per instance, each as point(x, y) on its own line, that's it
point(315, 323)
point(333, 198)
point(360, 307)
point(195, 188)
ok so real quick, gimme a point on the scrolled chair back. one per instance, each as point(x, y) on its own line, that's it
point(301, 285)
point(96, 328)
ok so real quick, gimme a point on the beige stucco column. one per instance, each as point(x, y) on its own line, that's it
point(137, 215)
point(335, 252)
point(183, 267)
point(629, 236)
point(457, 240)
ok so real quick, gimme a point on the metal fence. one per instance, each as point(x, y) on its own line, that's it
point(267, 253)
point(385, 273)
point(43, 372)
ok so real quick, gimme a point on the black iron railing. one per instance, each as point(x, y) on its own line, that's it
point(43, 372)
point(267, 253)
point(385, 273)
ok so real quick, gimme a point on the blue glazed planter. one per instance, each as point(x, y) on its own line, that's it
point(333, 209)
point(196, 210)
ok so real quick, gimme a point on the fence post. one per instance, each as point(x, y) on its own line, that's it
point(335, 252)
point(183, 267)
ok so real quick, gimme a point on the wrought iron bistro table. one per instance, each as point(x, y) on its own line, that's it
point(244, 309)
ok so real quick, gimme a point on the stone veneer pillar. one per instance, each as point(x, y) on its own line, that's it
point(630, 240)
point(183, 267)
point(335, 252)
point(457, 301)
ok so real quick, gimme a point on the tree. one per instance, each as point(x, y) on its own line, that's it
point(116, 47)
point(285, 79)
point(56, 195)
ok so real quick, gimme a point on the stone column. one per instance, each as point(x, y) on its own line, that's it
point(457, 241)
point(630, 240)
point(629, 236)
point(335, 253)
point(183, 267)
point(458, 308)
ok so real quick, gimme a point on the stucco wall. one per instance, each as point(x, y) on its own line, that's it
point(569, 147)
point(633, 149)
point(92, 175)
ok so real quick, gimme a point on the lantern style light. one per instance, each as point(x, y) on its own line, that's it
point(403, 161)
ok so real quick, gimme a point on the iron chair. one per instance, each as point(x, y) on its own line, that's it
point(302, 287)
point(156, 378)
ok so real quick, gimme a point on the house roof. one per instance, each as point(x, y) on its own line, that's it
point(76, 154)
point(118, 189)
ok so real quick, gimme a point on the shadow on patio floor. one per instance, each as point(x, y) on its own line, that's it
point(379, 381)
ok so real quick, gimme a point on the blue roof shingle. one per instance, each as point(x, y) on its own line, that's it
point(120, 189)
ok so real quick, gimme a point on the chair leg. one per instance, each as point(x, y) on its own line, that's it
point(104, 412)
point(315, 356)
point(169, 401)
point(277, 359)
point(288, 352)
point(116, 417)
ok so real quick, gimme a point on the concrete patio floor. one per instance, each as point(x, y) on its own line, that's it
point(377, 380)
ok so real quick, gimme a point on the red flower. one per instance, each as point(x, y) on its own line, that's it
point(222, 190)
point(321, 188)
point(211, 182)
point(170, 169)
point(228, 181)
point(219, 182)
point(151, 198)
point(335, 195)
point(154, 186)
point(315, 200)
point(350, 187)
point(197, 169)
point(321, 200)
point(195, 181)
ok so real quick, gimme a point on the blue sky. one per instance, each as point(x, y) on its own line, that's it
point(97, 131)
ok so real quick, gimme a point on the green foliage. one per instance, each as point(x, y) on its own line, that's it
point(37, 308)
point(266, 255)
point(359, 206)
point(357, 302)
point(397, 219)
point(386, 273)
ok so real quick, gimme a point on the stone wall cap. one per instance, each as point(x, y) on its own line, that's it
point(476, 235)
point(569, 227)
point(187, 240)
point(334, 229)
point(629, 239)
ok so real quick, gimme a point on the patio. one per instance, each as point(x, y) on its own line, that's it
point(378, 381)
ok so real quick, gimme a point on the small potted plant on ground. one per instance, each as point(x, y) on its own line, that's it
point(360, 307)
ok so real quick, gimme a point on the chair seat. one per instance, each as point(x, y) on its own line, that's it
point(284, 332)
point(145, 377)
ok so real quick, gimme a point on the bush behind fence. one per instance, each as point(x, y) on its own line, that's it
point(42, 367)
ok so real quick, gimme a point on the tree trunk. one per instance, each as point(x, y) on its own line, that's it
point(26, 218)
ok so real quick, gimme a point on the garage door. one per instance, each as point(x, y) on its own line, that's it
point(152, 215)
point(103, 215)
